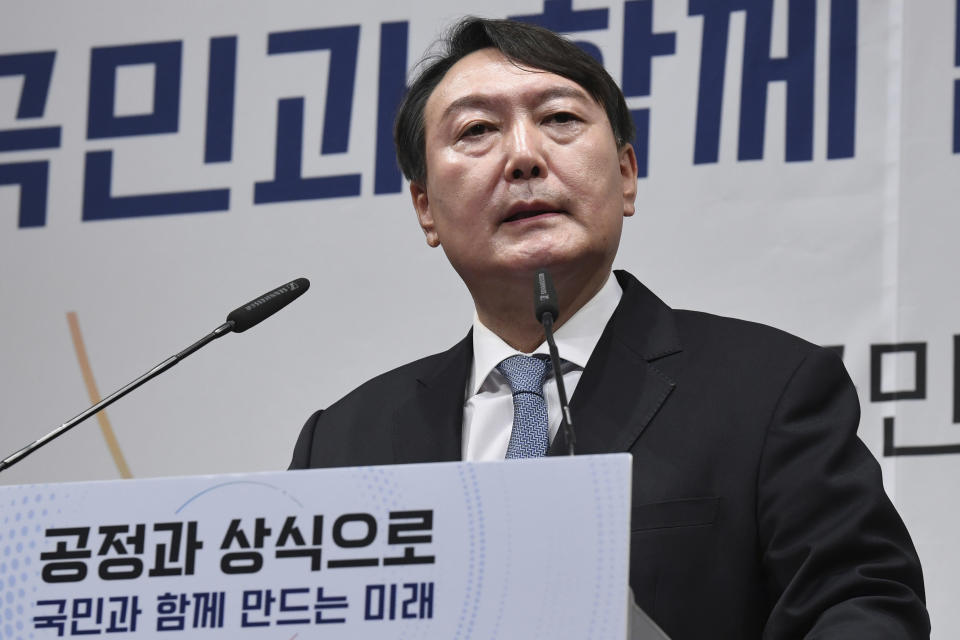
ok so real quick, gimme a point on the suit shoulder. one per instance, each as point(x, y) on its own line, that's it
point(654, 329)
point(385, 392)
point(749, 350)
point(357, 429)
point(698, 328)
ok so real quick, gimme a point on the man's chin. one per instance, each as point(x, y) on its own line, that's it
point(554, 258)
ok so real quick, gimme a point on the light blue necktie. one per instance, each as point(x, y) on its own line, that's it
point(529, 437)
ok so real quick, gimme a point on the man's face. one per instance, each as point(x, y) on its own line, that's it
point(523, 172)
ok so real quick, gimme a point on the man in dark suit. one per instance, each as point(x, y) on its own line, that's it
point(756, 510)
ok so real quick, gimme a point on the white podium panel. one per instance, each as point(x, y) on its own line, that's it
point(518, 549)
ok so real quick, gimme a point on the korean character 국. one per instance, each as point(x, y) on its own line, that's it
point(410, 528)
point(171, 611)
point(243, 561)
point(325, 603)
point(291, 533)
point(363, 533)
point(68, 567)
point(36, 69)
point(86, 608)
point(287, 605)
point(53, 621)
point(123, 613)
point(168, 554)
point(129, 566)
point(254, 601)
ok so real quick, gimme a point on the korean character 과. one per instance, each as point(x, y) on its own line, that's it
point(122, 612)
point(168, 556)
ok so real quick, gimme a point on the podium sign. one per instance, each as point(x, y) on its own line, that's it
point(530, 548)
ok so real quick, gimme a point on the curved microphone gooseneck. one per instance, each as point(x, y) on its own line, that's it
point(239, 320)
point(547, 309)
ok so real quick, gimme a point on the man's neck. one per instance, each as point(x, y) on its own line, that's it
point(507, 308)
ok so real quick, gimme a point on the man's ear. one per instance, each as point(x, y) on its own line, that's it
point(421, 203)
point(628, 176)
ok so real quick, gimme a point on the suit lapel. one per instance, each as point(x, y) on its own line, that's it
point(622, 389)
point(618, 396)
point(429, 427)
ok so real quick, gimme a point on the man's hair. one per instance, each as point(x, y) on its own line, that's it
point(526, 45)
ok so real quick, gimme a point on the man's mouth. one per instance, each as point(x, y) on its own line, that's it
point(522, 213)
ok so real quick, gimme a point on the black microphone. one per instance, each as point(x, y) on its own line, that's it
point(545, 296)
point(239, 320)
point(256, 311)
point(547, 309)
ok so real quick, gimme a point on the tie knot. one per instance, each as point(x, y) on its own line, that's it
point(524, 373)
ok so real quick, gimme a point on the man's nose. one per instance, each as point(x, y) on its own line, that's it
point(525, 156)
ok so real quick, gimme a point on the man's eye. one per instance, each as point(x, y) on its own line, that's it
point(562, 117)
point(477, 129)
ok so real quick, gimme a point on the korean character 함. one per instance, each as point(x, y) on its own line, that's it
point(127, 567)
point(171, 611)
point(367, 525)
point(405, 532)
point(290, 531)
point(256, 600)
point(53, 621)
point(68, 568)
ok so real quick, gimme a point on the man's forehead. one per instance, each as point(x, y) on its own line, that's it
point(480, 77)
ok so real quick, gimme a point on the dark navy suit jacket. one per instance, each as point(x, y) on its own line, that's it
point(757, 511)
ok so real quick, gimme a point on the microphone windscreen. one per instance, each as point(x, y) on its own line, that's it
point(544, 296)
point(258, 310)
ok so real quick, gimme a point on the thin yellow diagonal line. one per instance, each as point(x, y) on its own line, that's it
point(91, 384)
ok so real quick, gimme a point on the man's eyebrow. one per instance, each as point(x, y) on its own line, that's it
point(470, 101)
point(482, 101)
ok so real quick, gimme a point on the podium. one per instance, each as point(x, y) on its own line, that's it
point(513, 549)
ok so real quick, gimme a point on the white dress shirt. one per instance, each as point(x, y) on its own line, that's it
point(488, 405)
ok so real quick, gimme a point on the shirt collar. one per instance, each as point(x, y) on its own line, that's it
point(576, 339)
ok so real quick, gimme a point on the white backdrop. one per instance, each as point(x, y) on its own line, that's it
point(828, 211)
